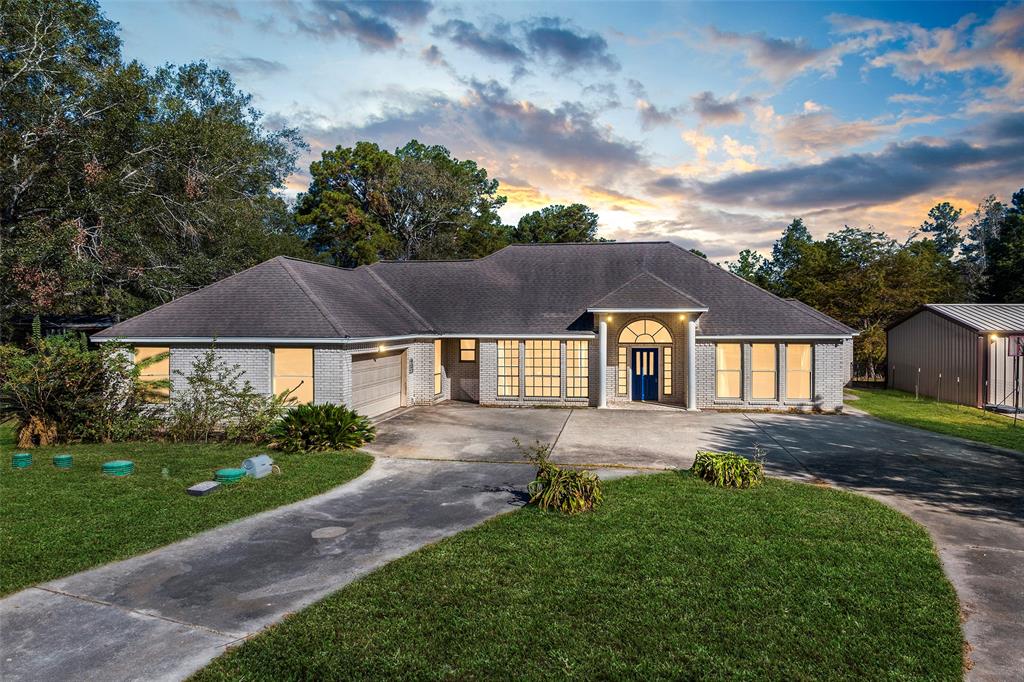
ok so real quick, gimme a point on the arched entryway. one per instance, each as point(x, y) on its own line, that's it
point(648, 346)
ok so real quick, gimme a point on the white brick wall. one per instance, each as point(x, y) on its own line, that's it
point(253, 361)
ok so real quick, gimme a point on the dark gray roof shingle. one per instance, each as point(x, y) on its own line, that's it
point(522, 289)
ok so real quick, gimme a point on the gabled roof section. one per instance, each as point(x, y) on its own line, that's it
point(983, 317)
point(280, 298)
point(820, 315)
point(646, 292)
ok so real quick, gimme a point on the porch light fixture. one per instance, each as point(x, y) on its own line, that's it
point(682, 318)
point(993, 337)
point(607, 318)
point(381, 348)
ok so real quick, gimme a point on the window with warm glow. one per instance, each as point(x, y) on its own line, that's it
point(798, 371)
point(508, 368)
point(155, 372)
point(577, 371)
point(666, 371)
point(727, 370)
point(762, 371)
point(645, 331)
point(622, 386)
point(543, 368)
point(293, 370)
point(437, 366)
point(467, 350)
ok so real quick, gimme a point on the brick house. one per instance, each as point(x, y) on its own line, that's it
point(553, 324)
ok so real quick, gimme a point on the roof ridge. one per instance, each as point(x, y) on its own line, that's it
point(313, 298)
point(401, 301)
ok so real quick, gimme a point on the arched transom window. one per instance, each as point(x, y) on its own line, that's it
point(645, 331)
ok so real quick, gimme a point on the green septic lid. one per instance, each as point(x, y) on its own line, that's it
point(62, 461)
point(229, 475)
point(21, 460)
point(118, 467)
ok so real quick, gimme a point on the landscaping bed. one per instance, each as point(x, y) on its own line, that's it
point(947, 418)
point(669, 578)
point(56, 522)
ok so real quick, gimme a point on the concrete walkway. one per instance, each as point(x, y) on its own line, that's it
point(165, 614)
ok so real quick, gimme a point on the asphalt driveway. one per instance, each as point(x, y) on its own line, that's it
point(970, 496)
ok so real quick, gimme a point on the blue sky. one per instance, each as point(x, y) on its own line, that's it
point(710, 124)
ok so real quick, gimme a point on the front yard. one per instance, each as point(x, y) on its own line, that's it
point(54, 522)
point(670, 578)
point(947, 418)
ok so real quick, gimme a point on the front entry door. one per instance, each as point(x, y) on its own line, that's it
point(645, 374)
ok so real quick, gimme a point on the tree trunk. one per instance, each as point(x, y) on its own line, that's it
point(37, 432)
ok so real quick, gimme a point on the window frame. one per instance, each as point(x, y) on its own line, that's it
point(508, 360)
point(275, 375)
point(809, 372)
point(463, 349)
point(438, 377)
point(577, 368)
point(542, 368)
point(738, 371)
point(774, 372)
point(159, 395)
point(666, 371)
point(622, 386)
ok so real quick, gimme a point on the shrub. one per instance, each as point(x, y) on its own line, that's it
point(63, 391)
point(727, 469)
point(310, 428)
point(217, 401)
point(569, 491)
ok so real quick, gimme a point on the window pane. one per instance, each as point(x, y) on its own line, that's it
point(156, 374)
point(543, 368)
point(508, 368)
point(728, 384)
point(798, 385)
point(467, 350)
point(293, 369)
point(666, 371)
point(762, 357)
point(621, 386)
point(728, 356)
point(437, 366)
point(763, 385)
point(577, 369)
point(798, 356)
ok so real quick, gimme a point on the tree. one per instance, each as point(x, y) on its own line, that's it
point(698, 252)
point(982, 235)
point(1004, 272)
point(750, 265)
point(365, 203)
point(557, 224)
point(119, 188)
point(942, 228)
point(786, 252)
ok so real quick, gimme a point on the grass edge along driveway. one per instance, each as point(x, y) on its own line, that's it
point(54, 523)
point(670, 578)
point(946, 418)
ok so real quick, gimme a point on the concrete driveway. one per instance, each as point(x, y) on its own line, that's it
point(969, 496)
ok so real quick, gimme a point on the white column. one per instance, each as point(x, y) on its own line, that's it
point(691, 363)
point(602, 354)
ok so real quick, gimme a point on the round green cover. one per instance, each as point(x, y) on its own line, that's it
point(229, 475)
point(62, 461)
point(20, 460)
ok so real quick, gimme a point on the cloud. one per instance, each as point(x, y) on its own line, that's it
point(613, 200)
point(899, 171)
point(221, 9)
point(372, 24)
point(492, 44)
point(701, 143)
point(909, 98)
point(817, 130)
point(652, 117)
point(252, 65)
point(714, 110)
point(556, 40)
point(718, 233)
point(522, 195)
point(778, 59)
point(432, 55)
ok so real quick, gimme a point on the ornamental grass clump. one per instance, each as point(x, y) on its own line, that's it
point(569, 491)
point(727, 469)
point(311, 428)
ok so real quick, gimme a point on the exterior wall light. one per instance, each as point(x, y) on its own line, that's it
point(682, 318)
point(608, 318)
point(993, 336)
point(380, 348)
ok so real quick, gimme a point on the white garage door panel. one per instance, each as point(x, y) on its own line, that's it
point(377, 383)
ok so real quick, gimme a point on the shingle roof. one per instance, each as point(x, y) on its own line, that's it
point(984, 317)
point(522, 289)
point(645, 291)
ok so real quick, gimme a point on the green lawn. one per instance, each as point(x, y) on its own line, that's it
point(965, 422)
point(53, 522)
point(670, 578)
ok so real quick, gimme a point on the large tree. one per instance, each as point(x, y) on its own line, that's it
point(121, 188)
point(1004, 272)
point(941, 227)
point(365, 204)
point(557, 224)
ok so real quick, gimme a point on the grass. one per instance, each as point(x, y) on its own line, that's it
point(669, 578)
point(54, 523)
point(947, 418)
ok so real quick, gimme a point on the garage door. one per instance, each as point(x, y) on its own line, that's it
point(377, 382)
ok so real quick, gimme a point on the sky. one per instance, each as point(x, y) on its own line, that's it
point(708, 124)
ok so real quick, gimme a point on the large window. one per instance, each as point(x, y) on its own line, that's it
point(727, 370)
point(577, 369)
point(508, 368)
point(666, 371)
point(154, 372)
point(543, 368)
point(622, 387)
point(293, 370)
point(762, 371)
point(798, 371)
point(467, 350)
point(437, 366)
point(645, 331)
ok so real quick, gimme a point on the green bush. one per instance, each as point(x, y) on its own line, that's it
point(569, 491)
point(309, 428)
point(727, 469)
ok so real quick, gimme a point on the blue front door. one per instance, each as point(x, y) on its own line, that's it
point(645, 374)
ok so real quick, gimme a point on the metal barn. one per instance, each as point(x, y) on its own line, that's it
point(959, 352)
